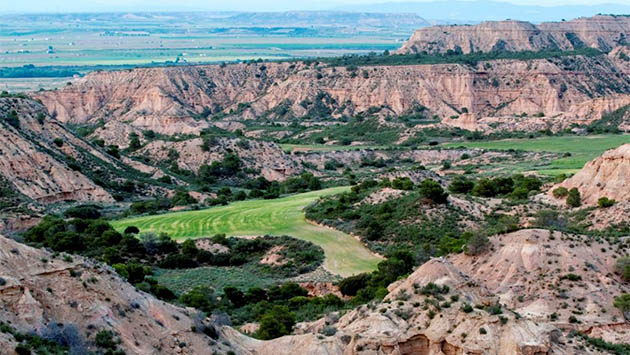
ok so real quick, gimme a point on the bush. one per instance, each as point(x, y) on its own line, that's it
point(132, 230)
point(623, 267)
point(83, 212)
point(351, 285)
point(277, 322)
point(605, 202)
point(461, 185)
point(573, 198)
point(623, 303)
point(402, 183)
point(560, 192)
point(433, 191)
point(478, 243)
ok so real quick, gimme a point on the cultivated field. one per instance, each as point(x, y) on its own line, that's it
point(581, 149)
point(284, 216)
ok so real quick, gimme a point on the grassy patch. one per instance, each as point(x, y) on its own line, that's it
point(284, 216)
point(581, 148)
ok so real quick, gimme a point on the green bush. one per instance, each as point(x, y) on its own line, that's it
point(573, 198)
point(605, 202)
point(560, 192)
point(433, 191)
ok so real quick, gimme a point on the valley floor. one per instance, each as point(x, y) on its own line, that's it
point(345, 255)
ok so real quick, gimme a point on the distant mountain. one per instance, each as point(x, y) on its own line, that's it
point(480, 10)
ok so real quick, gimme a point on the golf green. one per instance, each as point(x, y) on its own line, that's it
point(345, 255)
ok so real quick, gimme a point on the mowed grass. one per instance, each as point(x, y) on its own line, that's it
point(284, 216)
point(581, 148)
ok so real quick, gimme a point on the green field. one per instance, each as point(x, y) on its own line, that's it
point(284, 216)
point(582, 149)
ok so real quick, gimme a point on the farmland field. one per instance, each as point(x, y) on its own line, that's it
point(581, 148)
point(284, 216)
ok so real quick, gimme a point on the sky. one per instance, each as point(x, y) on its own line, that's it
point(222, 5)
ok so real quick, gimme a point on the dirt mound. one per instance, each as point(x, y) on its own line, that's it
point(605, 176)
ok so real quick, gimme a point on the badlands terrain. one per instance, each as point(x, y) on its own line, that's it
point(465, 194)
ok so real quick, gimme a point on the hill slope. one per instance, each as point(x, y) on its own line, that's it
point(601, 32)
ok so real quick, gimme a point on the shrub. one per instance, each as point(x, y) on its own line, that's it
point(623, 303)
point(83, 212)
point(351, 285)
point(461, 185)
point(402, 183)
point(478, 243)
point(623, 267)
point(573, 198)
point(560, 192)
point(58, 142)
point(605, 202)
point(277, 322)
point(433, 191)
point(132, 230)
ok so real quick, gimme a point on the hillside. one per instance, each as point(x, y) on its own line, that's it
point(601, 32)
point(72, 300)
point(514, 298)
point(558, 91)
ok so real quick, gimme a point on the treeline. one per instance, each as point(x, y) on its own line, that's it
point(451, 56)
point(31, 71)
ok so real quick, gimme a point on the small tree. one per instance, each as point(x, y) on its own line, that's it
point(433, 191)
point(623, 267)
point(623, 303)
point(275, 323)
point(560, 192)
point(573, 198)
point(605, 202)
point(478, 243)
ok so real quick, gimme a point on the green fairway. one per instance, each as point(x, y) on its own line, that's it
point(284, 216)
point(582, 149)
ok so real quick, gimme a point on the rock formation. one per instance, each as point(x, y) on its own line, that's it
point(75, 298)
point(605, 176)
point(516, 298)
point(600, 32)
point(35, 165)
point(177, 100)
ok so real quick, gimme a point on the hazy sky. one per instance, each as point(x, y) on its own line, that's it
point(219, 5)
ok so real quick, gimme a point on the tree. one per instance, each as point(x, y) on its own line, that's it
point(477, 244)
point(461, 185)
point(402, 183)
point(189, 248)
point(560, 192)
point(433, 191)
point(623, 267)
point(605, 202)
point(484, 188)
point(134, 141)
point(235, 296)
point(623, 303)
point(131, 230)
point(277, 322)
point(351, 285)
point(573, 198)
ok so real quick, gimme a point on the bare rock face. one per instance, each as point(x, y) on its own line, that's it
point(177, 100)
point(601, 32)
point(524, 272)
point(35, 165)
point(77, 298)
point(605, 176)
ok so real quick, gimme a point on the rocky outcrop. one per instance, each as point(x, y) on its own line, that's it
point(601, 32)
point(523, 273)
point(76, 298)
point(176, 100)
point(35, 165)
point(605, 176)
